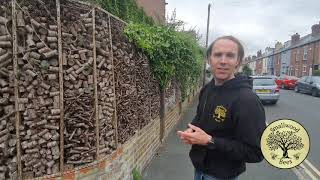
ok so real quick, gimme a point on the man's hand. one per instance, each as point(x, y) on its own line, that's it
point(194, 135)
point(189, 130)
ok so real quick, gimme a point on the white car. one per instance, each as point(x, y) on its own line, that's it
point(266, 89)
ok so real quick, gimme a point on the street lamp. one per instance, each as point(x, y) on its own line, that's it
point(207, 35)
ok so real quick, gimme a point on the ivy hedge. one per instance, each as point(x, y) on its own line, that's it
point(171, 53)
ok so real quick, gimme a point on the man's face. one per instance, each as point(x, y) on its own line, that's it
point(224, 60)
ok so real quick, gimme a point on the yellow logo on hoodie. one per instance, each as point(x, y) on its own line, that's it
point(220, 114)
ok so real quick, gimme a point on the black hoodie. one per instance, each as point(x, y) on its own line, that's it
point(233, 115)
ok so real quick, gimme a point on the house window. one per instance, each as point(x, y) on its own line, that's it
point(304, 69)
point(297, 71)
point(291, 71)
point(305, 53)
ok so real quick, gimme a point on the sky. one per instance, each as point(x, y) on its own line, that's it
point(257, 23)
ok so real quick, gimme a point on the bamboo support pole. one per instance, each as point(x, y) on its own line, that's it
point(114, 117)
point(95, 82)
point(16, 88)
point(61, 105)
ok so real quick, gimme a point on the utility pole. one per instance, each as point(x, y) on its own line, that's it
point(207, 35)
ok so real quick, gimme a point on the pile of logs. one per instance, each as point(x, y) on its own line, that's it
point(125, 82)
point(155, 97)
point(105, 81)
point(8, 156)
point(127, 94)
point(143, 75)
point(79, 118)
point(137, 91)
point(38, 78)
point(171, 95)
point(177, 90)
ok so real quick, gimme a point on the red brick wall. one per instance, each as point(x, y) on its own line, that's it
point(317, 53)
point(298, 62)
point(171, 120)
point(313, 54)
point(294, 62)
point(277, 64)
point(310, 55)
point(154, 8)
point(259, 67)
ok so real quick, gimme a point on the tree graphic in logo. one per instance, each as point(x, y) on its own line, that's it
point(285, 140)
point(220, 113)
point(285, 143)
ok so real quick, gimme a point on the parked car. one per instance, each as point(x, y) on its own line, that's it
point(266, 89)
point(308, 84)
point(286, 82)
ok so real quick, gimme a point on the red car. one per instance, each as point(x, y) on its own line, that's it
point(286, 82)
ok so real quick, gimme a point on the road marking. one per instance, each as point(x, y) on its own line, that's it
point(312, 167)
point(298, 173)
point(308, 172)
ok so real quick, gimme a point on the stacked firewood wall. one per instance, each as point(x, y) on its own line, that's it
point(155, 97)
point(125, 82)
point(106, 89)
point(72, 87)
point(143, 78)
point(8, 156)
point(79, 117)
point(137, 91)
point(171, 93)
point(38, 77)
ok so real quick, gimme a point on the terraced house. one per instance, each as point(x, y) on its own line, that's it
point(298, 56)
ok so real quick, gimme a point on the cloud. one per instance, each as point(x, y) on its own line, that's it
point(258, 23)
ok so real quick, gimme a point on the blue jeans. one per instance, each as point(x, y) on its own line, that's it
point(198, 175)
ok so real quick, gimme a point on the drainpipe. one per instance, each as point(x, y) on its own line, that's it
point(272, 63)
point(313, 59)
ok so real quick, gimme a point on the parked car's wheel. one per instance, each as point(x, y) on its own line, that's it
point(274, 102)
point(283, 87)
point(296, 89)
point(314, 92)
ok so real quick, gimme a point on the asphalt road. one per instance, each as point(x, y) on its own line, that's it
point(172, 162)
point(306, 110)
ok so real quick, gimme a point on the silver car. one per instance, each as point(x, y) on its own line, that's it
point(266, 89)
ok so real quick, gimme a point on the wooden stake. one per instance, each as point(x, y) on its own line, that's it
point(16, 87)
point(95, 82)
point(60, 86)
point(115, 116)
